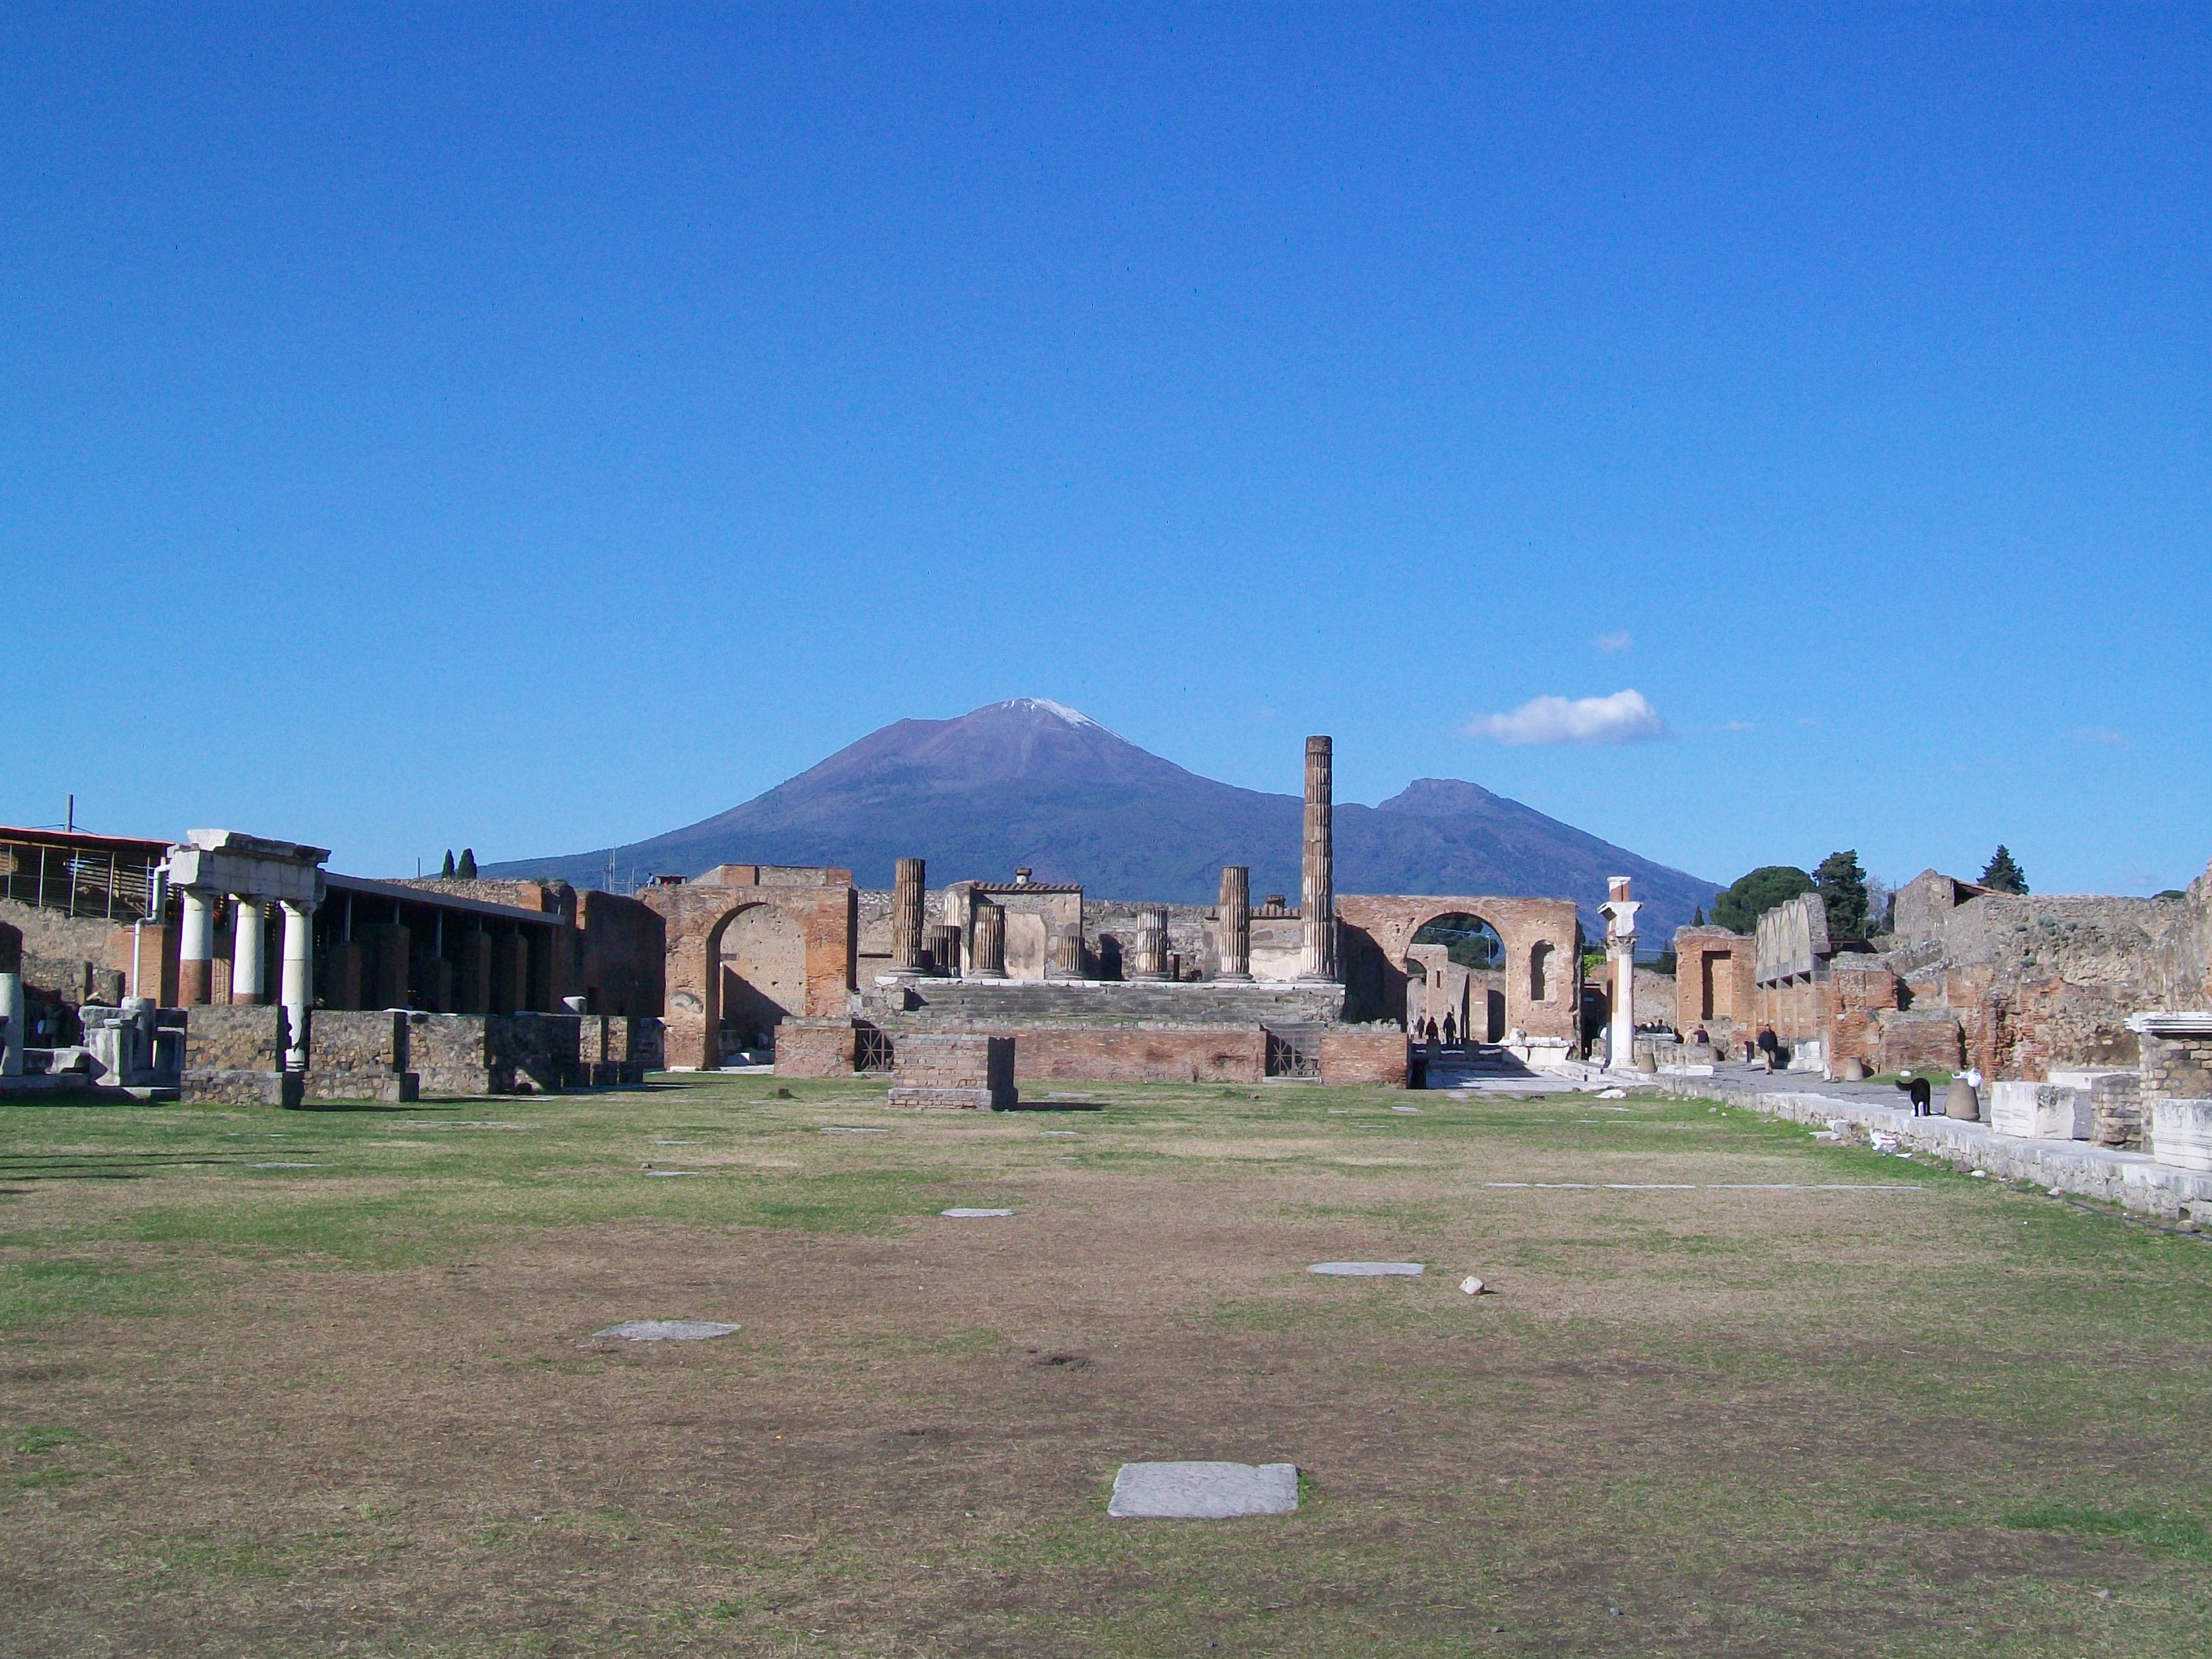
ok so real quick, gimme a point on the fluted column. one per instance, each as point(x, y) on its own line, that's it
point(298, 981)
point(1067, 951)
point(249, 971)
point(1317, 874)
point(944, 950)
point(1236, 923)
point(1149, 960)
point(906, 918)
point(195, 950)
point(989, 957)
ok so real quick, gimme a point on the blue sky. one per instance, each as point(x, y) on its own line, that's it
point(536, 430)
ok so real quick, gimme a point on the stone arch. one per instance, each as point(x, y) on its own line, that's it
point(756, 978)
point(1471, 991)
point(1380, 927)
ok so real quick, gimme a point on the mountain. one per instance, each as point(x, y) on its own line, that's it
point(1034, 783)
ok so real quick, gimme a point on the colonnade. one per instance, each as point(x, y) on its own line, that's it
point(211, 866)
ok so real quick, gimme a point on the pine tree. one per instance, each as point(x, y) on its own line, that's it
point(2001, 874)
point(446, 874)
point(1842, 884)
point(467, 868)
point(1749, 897)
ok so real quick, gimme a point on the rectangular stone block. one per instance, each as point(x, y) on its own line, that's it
point(234, 1037)
point(453, 1055)
point(2181, 1133)
point(2039, 1111)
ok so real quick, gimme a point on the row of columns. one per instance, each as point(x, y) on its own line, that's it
point(249, 974)
point(911, 957)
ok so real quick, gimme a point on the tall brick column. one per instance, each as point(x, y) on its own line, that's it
point(195, 950)
point(1236, 925)
point(906, 918)
point(990, 954)
point(1317, 874)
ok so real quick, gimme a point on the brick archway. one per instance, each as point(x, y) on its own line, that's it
point(1378, 930)
point(696, 915)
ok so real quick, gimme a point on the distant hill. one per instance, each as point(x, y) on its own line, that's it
point(1033, 782)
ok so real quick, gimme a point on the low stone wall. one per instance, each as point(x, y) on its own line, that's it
point(453, 1054)
point(240, 1088)
point(234, 1037)
point(1370, 1055)
point(1060, 1054)
point(358, 1056)
point(2132, 1180)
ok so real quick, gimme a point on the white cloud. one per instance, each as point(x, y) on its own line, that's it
point(1624, 717)
point(1610, 643)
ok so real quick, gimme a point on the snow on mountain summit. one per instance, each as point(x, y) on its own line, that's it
point(1074, 717)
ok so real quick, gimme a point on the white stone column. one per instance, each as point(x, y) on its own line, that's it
point(1619, 911)
point(298, 981)
point(249, 973)
point(11, 1039)
point(195, 950)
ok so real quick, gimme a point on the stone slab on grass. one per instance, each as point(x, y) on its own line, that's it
point(1368, 1269)
point(971, 1215)
point(1203, 1492)
point(667, 1330)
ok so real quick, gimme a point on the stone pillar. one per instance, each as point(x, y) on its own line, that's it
point(11, 1001)
point(299, 989)
point(1317, 874)
point(1066, 960)
point(1619, 911)
point(907, 891)
point(476, 974)
point(944, 950)
point(196, 951)
point(1149, 957)
point(249, 972)
point(1236, 925)
point(990, 954)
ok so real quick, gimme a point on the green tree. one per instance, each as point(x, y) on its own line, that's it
point(1842, 884)
point(466, 869)
point(446, 874)
point(2001, 875)
point(1749, 897)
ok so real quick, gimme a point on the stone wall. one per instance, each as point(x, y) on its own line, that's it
point(1137, 1054)
point(358, 1056)
point(68, 958)
point(221, 1037)
point(948, 1070)
point(453, 1054)
point(1712, 982)
point(693, 915)
point(621, 947)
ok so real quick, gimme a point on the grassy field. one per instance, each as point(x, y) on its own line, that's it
point(322, 1383)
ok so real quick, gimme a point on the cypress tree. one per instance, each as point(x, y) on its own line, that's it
point(2001, 874)
point(446, 874)
point(467, 869)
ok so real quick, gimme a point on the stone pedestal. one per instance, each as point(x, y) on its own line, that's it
point(907, 890)
point(990, 957)
point(11, 1000)
point(1234, 926)
point(1317, 871)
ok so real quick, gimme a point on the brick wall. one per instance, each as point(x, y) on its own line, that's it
point(2176, 1068)
point(814, 1047)
point(1372, 1054)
